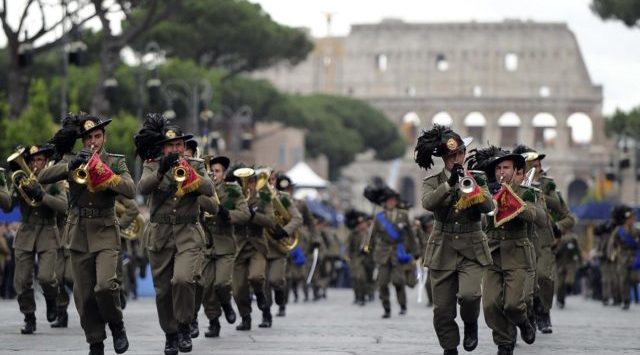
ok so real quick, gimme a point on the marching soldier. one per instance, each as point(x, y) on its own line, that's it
point(424, 228)
point(174, 236)
point(38, 236)
point(557, 221)
point(457, 253)
point(622, 250)
point(223, 212)
point(358, 223)
point(95, 178)
point(505, 282)
point(568, 260)
point(298, 270)
point(394, 244)
point(277, 256)
point(607, 267)
point(127, 212)
point(249, 271)
point(5, 200)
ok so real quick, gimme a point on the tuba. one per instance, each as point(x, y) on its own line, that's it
point(28, 178)
point(282, 216)
point(134, 230)
point(243, 175)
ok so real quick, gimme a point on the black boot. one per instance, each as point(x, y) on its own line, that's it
point(261, 301)
point(527, 332)
point(62, 320)
point(278, 297)
point(245, 324)
point(266, 319)
point(96, 348)
point(29, 324)
point(626, 305)
point(387, 312)
point(214, 329)
point(546, 324)
point(120, 341)
point(184, 337)
point(229, 313)
point(451, 352)
point(403, 310)
point(123, 299)
point(470, 336)
point(194, 331)
point(505, 349)
point(52, 309)
point(281, 311)
point(171, 344)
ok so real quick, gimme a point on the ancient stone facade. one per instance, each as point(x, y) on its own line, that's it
point(504, 83)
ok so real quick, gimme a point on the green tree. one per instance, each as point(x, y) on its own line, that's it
point(627, 11)
point(624, 124)
point(120, 134)
point(35, 124)
point(235, 35)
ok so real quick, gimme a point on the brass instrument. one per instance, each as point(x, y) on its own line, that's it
point(243, 175)
point(179, 172)
point(28, 179)
point(467, 184)
point(282, 218)
point(134, 230)
point(81, 175)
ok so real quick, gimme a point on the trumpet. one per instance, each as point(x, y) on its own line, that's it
point(468, 183)
point(81, 174)
point(179, 172)
point(24, 178)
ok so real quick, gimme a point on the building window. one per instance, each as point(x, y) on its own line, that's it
point(441, 62)
point(509, 123)
point(511, 62)
point(477, 91)
point(411, 91)
point(544, 91)
point(475, 122)
point(381, 62)
point(545, 133)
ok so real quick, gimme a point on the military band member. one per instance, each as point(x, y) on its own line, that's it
point(126, 266)
point(568, 260)
point(5, 200)
point(276, 283)
point(92, 230)
point(504, 285)
point(38, 236)
point(457, 253)
point(299, 259)
point(424, 229)
point(358, 224)
point(249, 270)
point(610, 289)
point(220, 220)
point(622, 250)
point(174, 237)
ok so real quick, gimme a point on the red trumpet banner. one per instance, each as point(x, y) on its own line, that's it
point(100, 176)
point(192, 181)
point(509, 205)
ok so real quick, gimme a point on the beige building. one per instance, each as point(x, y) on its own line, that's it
point(503, 83)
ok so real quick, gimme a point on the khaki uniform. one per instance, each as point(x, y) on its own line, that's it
point(622, 255)
point(174, 239)
point(504, 282)
point(5, 199)
point(568, 260)
point(126, 263)
point(297, 274)
point(390, 270)
point(251, 257)
point(610, 289)
point(328, 254)
point(357, 260)
point(456, 254)
point(219, 257)
point(277, 260)
point(93, 238)
point(38, 235)
point(63, 267)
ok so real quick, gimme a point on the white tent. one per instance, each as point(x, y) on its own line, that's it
point(302, 176)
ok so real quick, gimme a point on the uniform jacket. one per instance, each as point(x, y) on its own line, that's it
point(173, 221)
point(385, 248)
point(294, 224)
point(5, 200)
point(131, 211)
point(39, 230)
point(618, 251)
point(568, 251)
point(92, 234)
point(221, 232)
point(454, 231)
point(251, 234)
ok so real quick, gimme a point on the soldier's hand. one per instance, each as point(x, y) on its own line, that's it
point(279, 233)
point(456, 173)
point(494, 187)
point(167, 162)
point(315, 245)
point(79, 159)
point(35, 192)
point(223, 213)
point(557, 233)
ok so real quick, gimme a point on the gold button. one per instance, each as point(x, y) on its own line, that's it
point(36, 213)
point(174, 211)
point(456, 237)
point(175, 198)
point(90, 204)
point(456, 210)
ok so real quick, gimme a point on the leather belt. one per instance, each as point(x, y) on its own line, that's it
point(94, 212)
point(39, 221)
point(456, 227)
point(498, 234)
point(174, 219)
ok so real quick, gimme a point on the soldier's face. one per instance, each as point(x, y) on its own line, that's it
point(96, 138)
point(37, 163)
point(505, 171)
point(518, 177)
point(452, 159)
point(363, 226)
point(188, 153)
point(176, 146)
point(390, 203)
point(217, 172)
point(272, 178)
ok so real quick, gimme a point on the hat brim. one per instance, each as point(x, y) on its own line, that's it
point(222, 160)
point(184, 138)
point(100, 125)
point(48, 152)
point(466, 141)
point(517, 158)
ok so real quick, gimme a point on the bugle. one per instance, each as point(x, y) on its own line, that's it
point(81, 174)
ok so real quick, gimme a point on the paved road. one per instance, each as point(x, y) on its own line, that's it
point(336, 326)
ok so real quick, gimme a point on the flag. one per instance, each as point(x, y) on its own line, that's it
point(192, 181)
point(472, 198)
point(509, 205)
point(99, 175)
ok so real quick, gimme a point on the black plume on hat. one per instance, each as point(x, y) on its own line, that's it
point(480, 158)
point(148, 138)
point(353, 217)
point(375, 192)
point(620, 213)
point(64, 140)
point(428, 142)
point(521, 148)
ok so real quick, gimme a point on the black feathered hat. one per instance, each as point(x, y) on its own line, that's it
point(172, 132)
point(150, 135)
point(65, 138)
point(283, 182)
point(379, 192)
point(439, 141)
point(90, 123)
point(354, 217)
point(528, 153)
point(220, 159)
point(620, 214)
point(486, 159)
point(45, 149)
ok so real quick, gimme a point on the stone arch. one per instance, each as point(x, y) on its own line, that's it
point(577, 191)
point(509, 124)
point(581, 127)
point(475, 123)
point(442, 118)
point(544, 127)
point(408, 190)
point(409, 126)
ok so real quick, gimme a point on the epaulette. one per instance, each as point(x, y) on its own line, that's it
point(195, 159)
point(431, 176)
point(116, 155)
